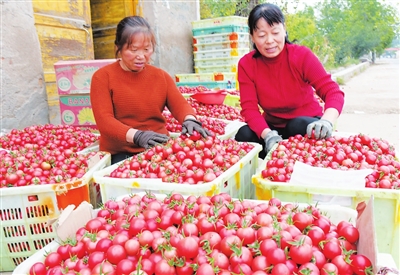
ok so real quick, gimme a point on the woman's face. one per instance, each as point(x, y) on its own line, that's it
point(269, 40)
point(135, 56)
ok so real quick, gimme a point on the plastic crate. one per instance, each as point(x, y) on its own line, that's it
point(219, 21)
point(220, 29)
point(235, 181)
point(25, 212)
point(221, 37)
point(217, 68)
point(227, 61)
point(231, 128)
point(211, 84)
point(226, 53)
point(205, 77)
point(232, 100)
point(335, 213)
point(222, 45)
point(386, 205)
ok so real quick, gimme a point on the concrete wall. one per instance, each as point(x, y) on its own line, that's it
point(23, 96)
point(171, 22)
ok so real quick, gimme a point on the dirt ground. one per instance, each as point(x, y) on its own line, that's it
point(372, 102)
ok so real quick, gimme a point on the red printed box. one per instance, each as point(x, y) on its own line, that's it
point(74, 77)
point(76, 110)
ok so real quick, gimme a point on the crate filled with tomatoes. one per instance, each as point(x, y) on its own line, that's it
point(144, 233)
point(222, 128)
point(44, 168)
point(325, 174)
point(190, 165)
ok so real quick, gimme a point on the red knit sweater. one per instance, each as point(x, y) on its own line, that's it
point(284, 87)
point(122, 100)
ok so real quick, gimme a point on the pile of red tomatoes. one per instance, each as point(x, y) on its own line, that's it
point(185, 159)
point(205, 236)
point(44, 154)
point(345, 153)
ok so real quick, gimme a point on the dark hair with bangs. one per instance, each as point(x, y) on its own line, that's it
point(128, 27)
point(271, 13)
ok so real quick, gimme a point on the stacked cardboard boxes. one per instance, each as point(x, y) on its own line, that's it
point(73, 85)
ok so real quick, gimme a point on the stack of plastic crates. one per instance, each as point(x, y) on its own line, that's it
point(218, 44)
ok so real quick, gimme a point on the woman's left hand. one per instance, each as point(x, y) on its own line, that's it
point(322, 129)
point(190, 125)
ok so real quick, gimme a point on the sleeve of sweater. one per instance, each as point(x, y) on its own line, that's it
point(314, 73)
point(102, 106)
point(248, 95)
point(176, 102)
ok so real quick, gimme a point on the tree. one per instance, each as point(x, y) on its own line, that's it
point(302, 29)
point(355, 27)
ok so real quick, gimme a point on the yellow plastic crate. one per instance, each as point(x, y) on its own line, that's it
point(232, 100)
point(386, 205)
point(234, 181)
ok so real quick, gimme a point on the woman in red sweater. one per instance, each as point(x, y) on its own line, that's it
point(281, 77)
point(129, 96)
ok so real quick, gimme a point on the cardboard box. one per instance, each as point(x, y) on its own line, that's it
point(76, 110)
point(74, 77)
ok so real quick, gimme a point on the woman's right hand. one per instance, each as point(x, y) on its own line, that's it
point(270, 140)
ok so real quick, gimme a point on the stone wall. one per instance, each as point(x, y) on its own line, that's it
point(23, 96)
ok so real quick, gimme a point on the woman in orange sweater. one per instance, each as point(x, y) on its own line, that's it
point(129, 96)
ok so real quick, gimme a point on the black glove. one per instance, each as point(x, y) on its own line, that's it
point(147, 139)
point(191, 124)
point(270, 140)
point(322, 129)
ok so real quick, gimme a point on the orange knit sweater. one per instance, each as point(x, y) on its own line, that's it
point(122, 100)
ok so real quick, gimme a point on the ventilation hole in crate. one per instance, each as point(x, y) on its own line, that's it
point(19, 260)
point(37, 211)
point(11, 214)
point(14, 231)
point(19, 247)
point(39, 244)
point(40, 228)
point(225, 184)
point(33, 198)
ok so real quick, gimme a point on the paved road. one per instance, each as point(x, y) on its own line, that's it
point(372, 102)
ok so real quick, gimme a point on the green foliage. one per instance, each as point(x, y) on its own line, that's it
point(355, 28)
point(335, 30)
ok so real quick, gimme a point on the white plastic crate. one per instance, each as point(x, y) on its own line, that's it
point(236, 181)
point(231, 128)
point(220, 29)
point(26, 210)
point(222, 45)
point(218, 21)
point(205, 77)
point(227, 61)
point(221, 37)
point(226, 53)
point(215, 68)
point(335, 213)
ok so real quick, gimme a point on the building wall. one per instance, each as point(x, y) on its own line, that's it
point(171, 22)
point(23, 95)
